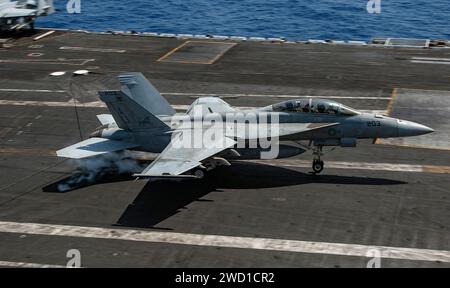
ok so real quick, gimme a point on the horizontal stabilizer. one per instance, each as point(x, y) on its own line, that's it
point(92, 147)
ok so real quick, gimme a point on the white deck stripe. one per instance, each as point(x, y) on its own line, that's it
point(359, 166)
point(275, 96)
point(73, 62)
point(429, 62)
point(225, 241)
point(41, 103)
point(104, 50)
point(430, 58)
point(99, 104)
point(31, 90)
point(43, 35)
point(28, 265)
point(229, 95)
point(344, 165)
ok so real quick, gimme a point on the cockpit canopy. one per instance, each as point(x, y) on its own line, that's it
point(310, 105)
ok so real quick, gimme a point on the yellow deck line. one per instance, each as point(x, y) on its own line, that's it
point(172, 51)
point(436, 169)
point(389, 108)
point(388, 112)
point(418, 146)
point(165, 56)
point(391, 102)
point(221, 54)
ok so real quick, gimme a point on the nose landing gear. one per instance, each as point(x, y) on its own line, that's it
point(317, 164)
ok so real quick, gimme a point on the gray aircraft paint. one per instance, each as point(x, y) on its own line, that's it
point(143, 120)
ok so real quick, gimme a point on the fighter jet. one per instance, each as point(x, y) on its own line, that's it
point(17, 14)
point(141, 119)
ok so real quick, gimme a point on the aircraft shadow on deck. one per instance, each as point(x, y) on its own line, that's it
point(17, 34)
point(159, 200)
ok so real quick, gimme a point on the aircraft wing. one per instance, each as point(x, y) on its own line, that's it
point(16, 12)
point(92, 147)
point(175, 159)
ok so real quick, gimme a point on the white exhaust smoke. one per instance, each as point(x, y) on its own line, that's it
point(94, 168)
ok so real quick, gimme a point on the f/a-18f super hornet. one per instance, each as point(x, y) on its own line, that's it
point(16, 14)
point(141, 119)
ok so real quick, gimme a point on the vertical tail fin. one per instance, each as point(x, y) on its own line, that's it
point(129, 114)
point(142, 91)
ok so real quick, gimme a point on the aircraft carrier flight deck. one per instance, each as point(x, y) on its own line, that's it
point(391, 196)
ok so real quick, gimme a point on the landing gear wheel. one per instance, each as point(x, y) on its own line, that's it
point(317, 166)
point(199, 173)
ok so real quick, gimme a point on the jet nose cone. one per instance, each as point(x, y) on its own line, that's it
point(427, 129)
point(408, 128)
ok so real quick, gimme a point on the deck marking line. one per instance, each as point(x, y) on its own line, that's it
point(105, 50)
point(172, 51)
point(358, 166)
point(31, 90)
point(296, 246)
point(237, 95)
point(99, 104)
point(28, 265)
point(273, 95)
point(430, 59)
point(429, 62)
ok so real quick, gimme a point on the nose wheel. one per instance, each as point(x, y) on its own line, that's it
point(317, 164)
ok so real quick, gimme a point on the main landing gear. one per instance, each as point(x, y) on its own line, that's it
point(317, 164)
point(199, 173)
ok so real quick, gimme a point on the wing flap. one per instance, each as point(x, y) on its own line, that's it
point(206, 105)
point(92, 147)
point(176, 167)
point(106, 119)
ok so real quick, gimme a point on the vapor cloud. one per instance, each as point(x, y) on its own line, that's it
point(94, 168)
